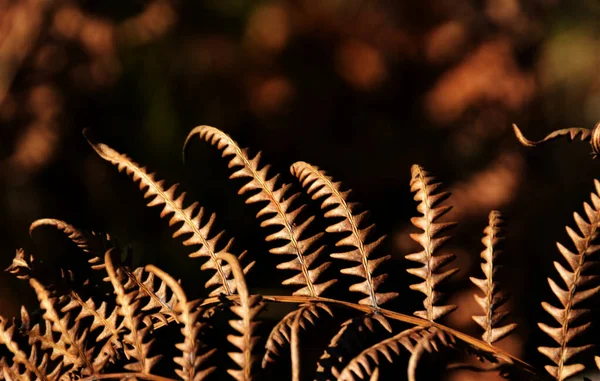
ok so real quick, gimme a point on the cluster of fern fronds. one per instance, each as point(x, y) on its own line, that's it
point(110, 324)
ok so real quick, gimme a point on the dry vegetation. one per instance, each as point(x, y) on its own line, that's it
point(108, 323)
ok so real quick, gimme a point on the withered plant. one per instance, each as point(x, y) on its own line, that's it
point(109, 322)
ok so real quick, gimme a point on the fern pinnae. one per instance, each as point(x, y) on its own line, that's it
point(190, 359)
point(19, 357)
point(189, 217)
point(492, 298)
point(360, 366)
point(576, 281)
point(279, 211)
point(249, 306)
point(584, 134)
point(318, 184)
point(281, 333)
point(71, 344)
point(128, 308)
point(422, 184)
point(93, 244)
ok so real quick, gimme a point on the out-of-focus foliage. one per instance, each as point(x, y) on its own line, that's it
point(364, 88)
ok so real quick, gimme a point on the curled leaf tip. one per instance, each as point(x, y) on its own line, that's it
point(522, 139)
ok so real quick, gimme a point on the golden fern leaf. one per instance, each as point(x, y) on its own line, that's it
point(70, 346)
point(190, 217)
point(492, 298)
point(281, 334)
point(343, 344)
point(584, 134)
point(360, 366)
point(422, 184)
point(278, 212)
point(190, 359)
point(318, 184)
point(19, 357)
point(92, 243)
point(136, 347)
point(577, 281)
point(428, 341)
point(157, 297)
point(22, 265)
point(249, 306)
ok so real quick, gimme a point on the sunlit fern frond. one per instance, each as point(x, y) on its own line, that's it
point(342, 346)
point(189, 218)
point(279, 211)
point(361, 366)
point(248, 308)
point(577, 281)
point(492, 298)
point(191, 359)
point(319, 185)
point(92, 243)
point(280, 335)
point(426, 192)
point(137, 343)
point(584, 134)
point(71, 344)
point(430, 340)
point(22, 265)
point(34, 368)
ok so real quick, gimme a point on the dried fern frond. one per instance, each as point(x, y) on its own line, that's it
point(249, 306)
point(137, 345)
point(492, 298)
point(70, 346)
point(22, 265)
point(360, 366)
point(189, 217)
point(429, 341)
point(190, 360)
point(278, 211)
point(30, 363)
point(281, 334)
point(426, 192)
point(318, 184)
point(92, 243)
point(577, 281)
point(342, 346)
point(584, 134)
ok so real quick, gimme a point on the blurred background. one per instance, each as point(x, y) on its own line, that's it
point(363, 89)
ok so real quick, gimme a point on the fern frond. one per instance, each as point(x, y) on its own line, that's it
point(318, 184)
point(71, 344)
point(584, 134)
point(249, 306)
point(136, 345)
point(281, 334)
point(422, 184)
point(429, 341)
point(22, 265)
point(342, 345)
point(492, 298)
point(19, 357)
point(189, 217)
point(157, 297)
point(278, 212)
point(577, 281)
point(92, 243)
point(360, 366)
point(190, 360)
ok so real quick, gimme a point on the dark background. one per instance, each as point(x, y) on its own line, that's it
point(363, 89)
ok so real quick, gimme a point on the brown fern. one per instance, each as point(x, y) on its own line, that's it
point(584, 134)
point(279, 211)
point(318, 184)
point(422, 184)
point(190, 360)
point(247, 310)
point(577, 281)
point(137, 346)
point(189, 217)
point(492, 298)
